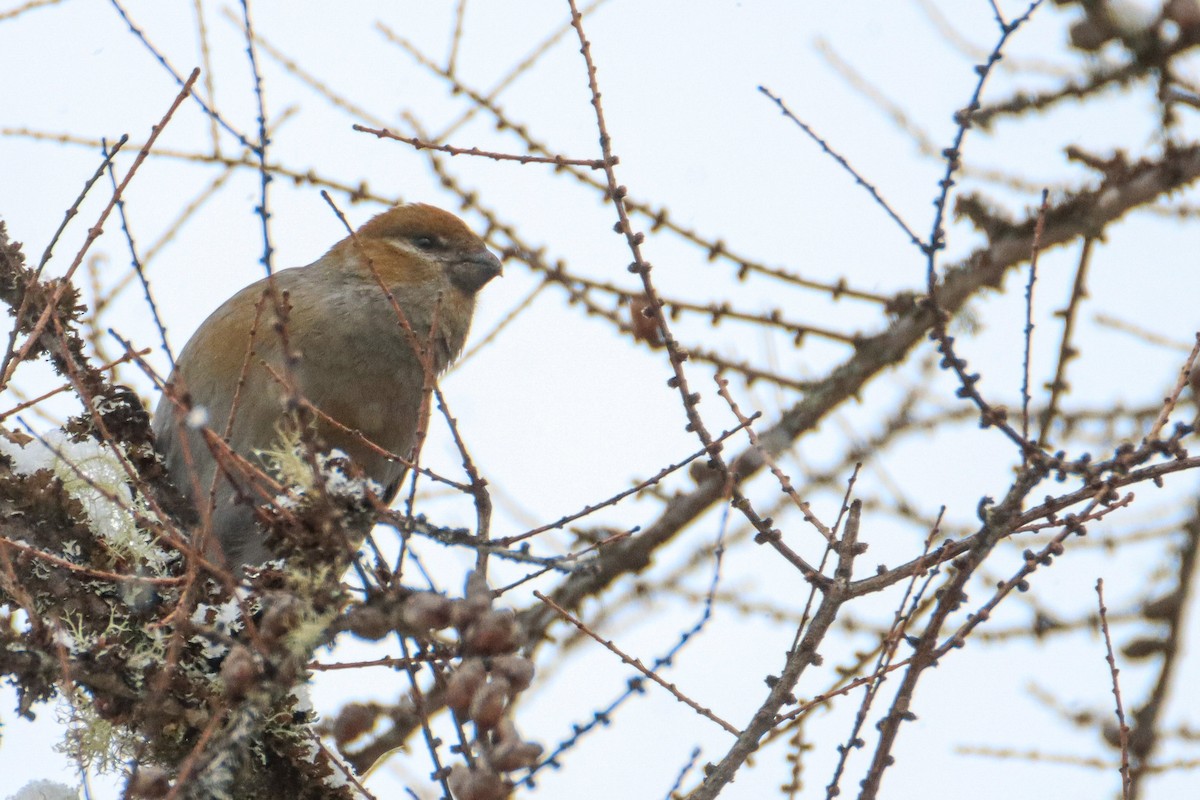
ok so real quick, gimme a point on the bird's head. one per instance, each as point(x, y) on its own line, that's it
point(416, 243)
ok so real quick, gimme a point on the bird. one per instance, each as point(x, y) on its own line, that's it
point(354, 337)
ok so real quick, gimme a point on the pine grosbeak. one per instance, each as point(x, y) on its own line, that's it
point(355, 360)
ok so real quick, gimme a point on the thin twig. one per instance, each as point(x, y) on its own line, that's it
point(421, 144)
point(619, 496)
point(1033, 258)
point(140, 271)
point(1123, 729)
point(1066, 352)
point(1172, 399)
point(636, 664)
point(260, 149)
point(95, 231)
point(841, 160)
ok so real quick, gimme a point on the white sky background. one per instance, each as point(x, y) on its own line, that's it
point(559, 411)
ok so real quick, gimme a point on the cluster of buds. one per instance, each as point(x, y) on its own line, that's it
point(480, 688)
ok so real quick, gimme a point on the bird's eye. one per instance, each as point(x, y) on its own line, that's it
point(427, 242)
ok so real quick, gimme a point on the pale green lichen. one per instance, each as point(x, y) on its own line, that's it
point(91, 741)
point(288, 462)
point(285, 461)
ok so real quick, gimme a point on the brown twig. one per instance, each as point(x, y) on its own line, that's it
point(1123, 729)
point(421, 144)
point(94, 232)
point(1028, 337)
point(636, 664)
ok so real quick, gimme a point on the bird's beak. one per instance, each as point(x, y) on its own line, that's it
point(471, 273)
